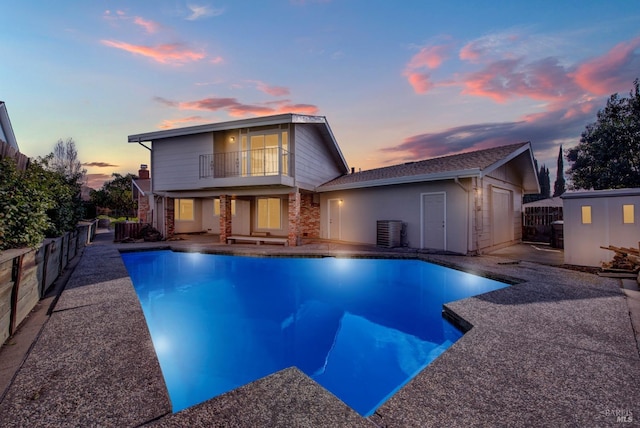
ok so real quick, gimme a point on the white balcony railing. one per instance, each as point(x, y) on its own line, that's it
point(247, 163)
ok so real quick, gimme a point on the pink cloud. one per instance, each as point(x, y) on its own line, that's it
point(420, 82)
point(276, 91)
point(173, 123)
point(429, 57)
point(237, 109)
point(544, 80)
point(610, 72)
point(164, 53)
point(149, 26)
point(498, 45)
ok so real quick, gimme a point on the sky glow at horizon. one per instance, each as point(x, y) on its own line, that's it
point(397, 81)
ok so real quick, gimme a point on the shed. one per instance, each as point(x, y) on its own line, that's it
point(598, 218)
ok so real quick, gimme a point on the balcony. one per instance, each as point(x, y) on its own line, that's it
point(247, 167)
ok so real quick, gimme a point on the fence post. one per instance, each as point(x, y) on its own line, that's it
point(16, 274)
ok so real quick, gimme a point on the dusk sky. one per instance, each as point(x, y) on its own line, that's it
point(397, 80)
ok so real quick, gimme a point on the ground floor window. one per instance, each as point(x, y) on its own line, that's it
point(216, 207)
point(269, 213)
point(184, 209)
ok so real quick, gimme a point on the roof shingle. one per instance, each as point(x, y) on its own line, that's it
point(480, 159)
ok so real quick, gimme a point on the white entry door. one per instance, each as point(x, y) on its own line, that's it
point(334, 219)
point(434, 227)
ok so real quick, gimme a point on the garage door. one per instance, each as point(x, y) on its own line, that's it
point(501, 215)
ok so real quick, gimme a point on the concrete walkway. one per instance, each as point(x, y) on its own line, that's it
point(555, 349)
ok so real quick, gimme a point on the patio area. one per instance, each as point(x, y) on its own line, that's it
point(558, 348)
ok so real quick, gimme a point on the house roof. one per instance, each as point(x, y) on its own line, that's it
point(6, 130)
point(605, 193)
point(469, 164)
point(320, 122)
point(143, 185)
point(549, 202)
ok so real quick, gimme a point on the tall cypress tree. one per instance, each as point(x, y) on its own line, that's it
point(559, 185)
point(545, 182)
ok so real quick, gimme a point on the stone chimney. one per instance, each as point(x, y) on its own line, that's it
point(143, 172)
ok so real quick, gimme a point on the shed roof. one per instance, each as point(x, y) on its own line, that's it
point(605, 193)
point(469, 164)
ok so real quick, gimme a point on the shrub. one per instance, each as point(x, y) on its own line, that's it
point(24, 201)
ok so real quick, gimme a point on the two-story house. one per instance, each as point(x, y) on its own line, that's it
point(283, 178)
point(240, 178)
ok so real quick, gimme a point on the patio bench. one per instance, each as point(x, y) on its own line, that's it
point(258, 239)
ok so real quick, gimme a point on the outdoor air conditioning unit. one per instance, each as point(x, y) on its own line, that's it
point(389, 233)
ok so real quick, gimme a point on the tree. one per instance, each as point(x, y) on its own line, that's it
point(64, 160)
point(116, 195)
point(544, 183)
point(608, 155)
point(559, 185)
point(64, 179)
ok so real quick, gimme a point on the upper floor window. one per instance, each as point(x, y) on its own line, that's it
point(183, 209)
point(628, 215)
point(265, 151)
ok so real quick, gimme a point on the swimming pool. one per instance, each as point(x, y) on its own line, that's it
point(361, 328)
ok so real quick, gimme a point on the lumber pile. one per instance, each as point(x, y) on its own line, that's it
point(624, 259)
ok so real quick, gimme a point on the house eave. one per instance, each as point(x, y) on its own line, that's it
point(7, 129)
point(223, 126)
point(530, 183)
point(585, 194)
point(449, 175)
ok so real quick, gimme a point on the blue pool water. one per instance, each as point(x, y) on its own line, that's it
point(361, 328)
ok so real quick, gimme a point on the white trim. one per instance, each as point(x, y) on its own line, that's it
point(449, 175)
point(444, 207)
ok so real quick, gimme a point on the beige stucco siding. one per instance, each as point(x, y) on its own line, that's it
point(360, 209)
point(175, 161)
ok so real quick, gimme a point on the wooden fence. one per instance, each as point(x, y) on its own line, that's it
point(537, 223)
point(6, 151)
point(128, 230)
point(26, 274)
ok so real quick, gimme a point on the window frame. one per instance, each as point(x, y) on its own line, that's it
point(628, 214)
point(268, 220)
point(177, 215)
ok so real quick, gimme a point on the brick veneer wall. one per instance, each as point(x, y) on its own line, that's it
point(309, 216)
point(294, 218)
point(143, 208)
point(225, 218)
point(170, 217)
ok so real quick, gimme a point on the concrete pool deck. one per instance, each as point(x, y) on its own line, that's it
point(556, 349)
